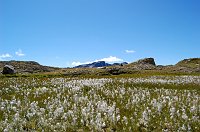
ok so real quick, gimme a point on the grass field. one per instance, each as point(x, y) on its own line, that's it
point(119, 103)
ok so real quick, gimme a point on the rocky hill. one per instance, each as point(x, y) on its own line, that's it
point(27, 66)
point(143, 64)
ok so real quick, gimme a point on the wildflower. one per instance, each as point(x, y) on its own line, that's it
point(118, 117)
point(125, 120)
point(184, 116)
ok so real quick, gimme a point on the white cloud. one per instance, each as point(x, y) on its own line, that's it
point(77, 63)
point(110, 59)
point(19, 53)
point(5, 56)
point(80, 63)
point(129, 51)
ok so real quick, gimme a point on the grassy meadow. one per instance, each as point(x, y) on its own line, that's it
point(142, 103)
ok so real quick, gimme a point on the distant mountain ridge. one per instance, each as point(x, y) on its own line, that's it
point(99, 64)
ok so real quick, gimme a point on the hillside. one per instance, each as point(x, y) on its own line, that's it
point(27, 66)
point(191, 65)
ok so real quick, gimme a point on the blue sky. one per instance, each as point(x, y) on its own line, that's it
point(69, 32)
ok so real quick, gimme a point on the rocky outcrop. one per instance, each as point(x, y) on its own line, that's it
point(147, 61)
point(143, 64)
point(8, 69)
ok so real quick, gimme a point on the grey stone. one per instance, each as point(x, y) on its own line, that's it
point(8, 69)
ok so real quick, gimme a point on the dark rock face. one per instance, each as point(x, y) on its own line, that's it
point(8, 69)
point(147, 61)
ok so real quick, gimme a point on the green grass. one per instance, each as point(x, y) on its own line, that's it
point(100, 74)
point(98, 94)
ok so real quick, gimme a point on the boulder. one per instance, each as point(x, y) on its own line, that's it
point(8, 69)
point(147, 61)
